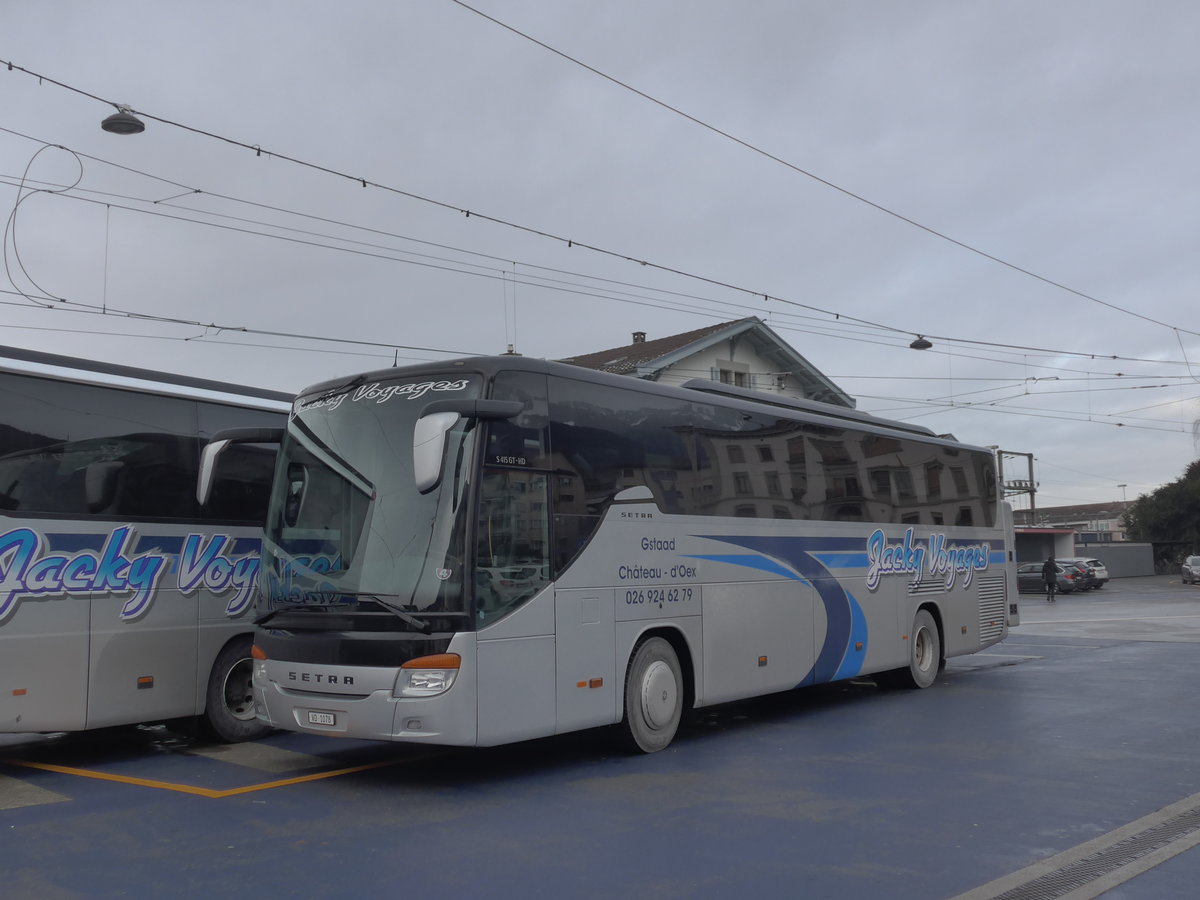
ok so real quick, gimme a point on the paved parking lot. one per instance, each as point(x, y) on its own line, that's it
point(1063, 759)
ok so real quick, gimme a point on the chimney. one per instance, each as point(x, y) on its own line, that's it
point(639, 337)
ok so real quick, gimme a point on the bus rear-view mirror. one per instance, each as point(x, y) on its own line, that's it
point(435, 422)
point(429, 444)
point(217, 445)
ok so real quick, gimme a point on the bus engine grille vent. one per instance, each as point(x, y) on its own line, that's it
point(993, 605)
point(928, 586)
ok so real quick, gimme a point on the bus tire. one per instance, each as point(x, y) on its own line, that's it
point(229, 706)
point(653, 696)
point(924, 656)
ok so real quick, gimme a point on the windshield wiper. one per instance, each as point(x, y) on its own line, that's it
point(397, 611)
point(401, 614)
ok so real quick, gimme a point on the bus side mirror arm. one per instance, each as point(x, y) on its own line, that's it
point(436, 420)
point(217, 445)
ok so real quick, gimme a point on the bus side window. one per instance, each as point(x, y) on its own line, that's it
point(619, 439)
point(512, 545)
point(519, 441)
point(134, 448)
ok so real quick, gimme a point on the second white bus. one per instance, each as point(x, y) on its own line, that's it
point(122, 600)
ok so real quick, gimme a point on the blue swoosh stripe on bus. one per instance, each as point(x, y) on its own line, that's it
point(841, 609)
point(852, 661)
point(828, 543)
point(842, 560)
point(750, 561)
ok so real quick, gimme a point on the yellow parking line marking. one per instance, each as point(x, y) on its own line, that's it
point(200, 791)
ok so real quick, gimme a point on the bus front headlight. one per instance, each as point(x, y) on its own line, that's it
point(427, 676)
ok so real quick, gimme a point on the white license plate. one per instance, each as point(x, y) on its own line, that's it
point(321, 718)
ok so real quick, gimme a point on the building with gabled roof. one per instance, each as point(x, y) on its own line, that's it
point(745, 353)
point(1094, 522)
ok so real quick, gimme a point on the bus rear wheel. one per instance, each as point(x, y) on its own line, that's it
point(653, 697)
point(229, 710)
point(924, 656)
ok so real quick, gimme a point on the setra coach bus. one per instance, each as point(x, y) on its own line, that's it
point(122, 600)
point(487, 550)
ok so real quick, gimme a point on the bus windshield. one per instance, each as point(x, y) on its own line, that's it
point(347, 524)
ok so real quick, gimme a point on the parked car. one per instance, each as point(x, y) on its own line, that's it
point(1029, 578)
point(1190, 570)
point(1085, 570)
point(1099, 570)
point(1097, 574)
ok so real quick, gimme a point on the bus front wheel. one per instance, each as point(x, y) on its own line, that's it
point(229, 710)
point(653, 696)
point(924, 656)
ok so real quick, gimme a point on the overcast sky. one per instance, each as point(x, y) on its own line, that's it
point(1017, 181)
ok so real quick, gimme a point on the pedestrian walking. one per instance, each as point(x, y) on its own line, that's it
point(1050, 576)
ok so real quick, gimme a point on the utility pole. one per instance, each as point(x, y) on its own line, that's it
point(1014, 486)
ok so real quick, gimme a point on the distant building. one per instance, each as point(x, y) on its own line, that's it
point(1093, 523)
point(745, 353)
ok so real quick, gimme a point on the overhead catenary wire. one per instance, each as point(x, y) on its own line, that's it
point(838, 320)
point(219, 328)
point(243, 329)
point(720, 308)
point(572, 242)
point(559, 286)
point(824, 181)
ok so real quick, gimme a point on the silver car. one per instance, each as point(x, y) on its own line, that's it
point(1190, 570)
point(1029, 578)
point(1097, 571)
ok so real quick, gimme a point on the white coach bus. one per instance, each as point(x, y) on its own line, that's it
point(489, 550)
point(123, 601)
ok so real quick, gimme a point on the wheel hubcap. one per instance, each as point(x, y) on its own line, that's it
point(924, 650)
point(659, 693)
point(239, 691)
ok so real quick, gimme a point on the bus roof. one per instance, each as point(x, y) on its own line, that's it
point(69, 368)
point(798, 403)
point(489, 365)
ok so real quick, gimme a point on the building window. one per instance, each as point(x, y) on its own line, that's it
point(737, 379)
point(960, 480)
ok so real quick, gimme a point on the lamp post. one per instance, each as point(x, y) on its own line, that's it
point(1124, 502)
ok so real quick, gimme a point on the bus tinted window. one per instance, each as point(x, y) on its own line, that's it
point(512, 560)
point(613, 440)
point(77, 449)
point(522, 441)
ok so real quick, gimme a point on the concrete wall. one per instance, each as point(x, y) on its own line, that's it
point(1123, 559)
